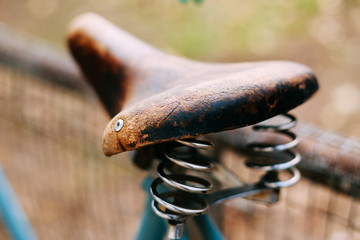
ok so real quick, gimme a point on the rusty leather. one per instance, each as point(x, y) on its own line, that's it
point(162, 97)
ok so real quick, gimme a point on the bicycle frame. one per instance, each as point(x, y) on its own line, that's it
point(12, 213)
point(154, 227)
point(72, 82)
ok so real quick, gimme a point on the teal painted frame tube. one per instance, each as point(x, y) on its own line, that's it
point(154, 227)
point(12, 213)
point(208, 228)
point(151, 226)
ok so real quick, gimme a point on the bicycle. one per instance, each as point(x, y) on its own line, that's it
point(162, 110)
point(322, 205)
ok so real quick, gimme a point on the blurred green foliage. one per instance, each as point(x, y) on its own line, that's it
point(195, 1)
point(209, 29)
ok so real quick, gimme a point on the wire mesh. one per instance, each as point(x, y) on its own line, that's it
point(308, 210)
point(50, 151)
point(323, 205)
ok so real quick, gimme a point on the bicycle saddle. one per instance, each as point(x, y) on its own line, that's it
point(155, 97)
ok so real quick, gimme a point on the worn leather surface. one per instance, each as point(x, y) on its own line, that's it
point(161, 97)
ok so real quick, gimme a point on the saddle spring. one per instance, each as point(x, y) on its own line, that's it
point(178, 195)
point(273, 158)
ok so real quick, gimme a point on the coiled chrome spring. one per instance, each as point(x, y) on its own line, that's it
point(177, 205)
point(184, 195)
point(276, 157)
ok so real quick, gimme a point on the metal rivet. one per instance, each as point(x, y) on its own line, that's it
point(118, 125)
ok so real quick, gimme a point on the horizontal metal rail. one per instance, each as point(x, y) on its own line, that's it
point(36, 57)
